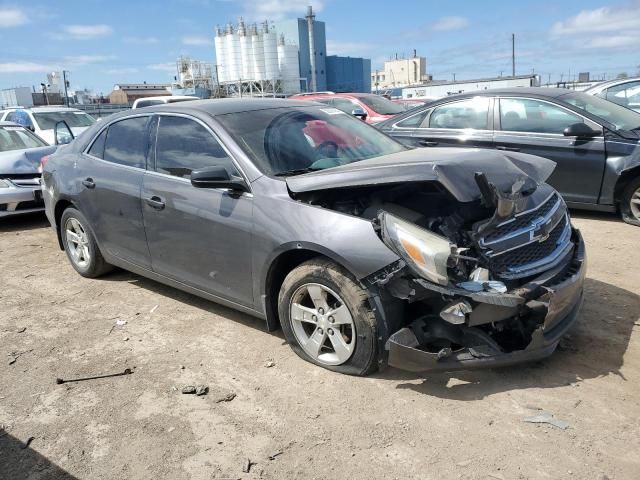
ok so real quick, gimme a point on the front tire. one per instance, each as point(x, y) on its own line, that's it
point(80, 245)
point(327, 319)
point(630, 203)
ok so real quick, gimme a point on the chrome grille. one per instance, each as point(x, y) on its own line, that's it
point(26, 182)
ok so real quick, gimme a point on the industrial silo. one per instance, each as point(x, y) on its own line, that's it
point(270, 46)
point(232, 55)
point(246, 69)
point(258, 53)
point(221, 61)
point(289, 66)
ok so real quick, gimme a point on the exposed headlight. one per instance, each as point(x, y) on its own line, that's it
point(425, 251)
point(4, 183)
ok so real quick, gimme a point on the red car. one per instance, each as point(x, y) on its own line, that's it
point(367, 106)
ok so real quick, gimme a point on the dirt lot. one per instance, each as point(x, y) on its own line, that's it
point(313, 423)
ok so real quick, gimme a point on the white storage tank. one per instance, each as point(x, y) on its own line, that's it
point(258, 53)
point(245, 52)
point(232, 55)
point(289, 66)
point(221, 61)
point(270, 46)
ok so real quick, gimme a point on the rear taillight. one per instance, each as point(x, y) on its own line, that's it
point(43, 162)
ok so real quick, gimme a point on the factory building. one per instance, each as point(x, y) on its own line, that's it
point(283, 59)
point(18, 96)
point(128, 93)
point(400, 72)
point(443, 88)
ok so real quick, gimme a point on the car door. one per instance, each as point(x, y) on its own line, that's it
point(536, 126)
point(460, 123)
point(109, 181)
point(198, 236)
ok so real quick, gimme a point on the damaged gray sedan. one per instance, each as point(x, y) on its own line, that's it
point(364, 251)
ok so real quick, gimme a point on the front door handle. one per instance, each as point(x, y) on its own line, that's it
point(89, 183)
point(155, 202)
point(427, 143)
point(508, 149)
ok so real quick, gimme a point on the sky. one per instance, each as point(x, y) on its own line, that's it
point(102, 43)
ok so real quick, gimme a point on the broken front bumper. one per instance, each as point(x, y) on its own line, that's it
point(20, 196)
point(555, 296)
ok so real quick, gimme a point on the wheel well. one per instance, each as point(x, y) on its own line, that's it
point(61, 206)
point(278, 270)
point(625, 178)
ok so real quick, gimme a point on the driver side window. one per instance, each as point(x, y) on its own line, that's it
point(184, 145)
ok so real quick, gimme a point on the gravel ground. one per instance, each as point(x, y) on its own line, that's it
point(290, 419)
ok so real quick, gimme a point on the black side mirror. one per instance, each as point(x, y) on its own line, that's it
point(581, 130)
point(360, 113)
point(217, 177)
point(62, 133)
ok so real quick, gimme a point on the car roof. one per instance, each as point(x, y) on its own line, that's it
point(46, 109)
point(517, 91)
point(611, 83)
point(10, 124)
point(223, 106)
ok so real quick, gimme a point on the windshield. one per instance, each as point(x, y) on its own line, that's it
point(284, 141)
point(622, 118)
point(381, 105)
point(18, 138)
point(48, 120)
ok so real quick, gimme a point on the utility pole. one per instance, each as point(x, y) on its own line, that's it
point(454, 77)
point(44, 90)
point(66, 96)
point(513, 54)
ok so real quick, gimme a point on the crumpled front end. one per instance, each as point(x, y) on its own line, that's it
point(494, 292)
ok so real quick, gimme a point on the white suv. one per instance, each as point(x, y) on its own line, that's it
point(42, 120)
point(150, 101)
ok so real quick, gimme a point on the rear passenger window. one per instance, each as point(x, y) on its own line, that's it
point(97, 149)
point(127, 142)
point(414, 121)
point(471, 113)
point(526, 115)
point(184, 145)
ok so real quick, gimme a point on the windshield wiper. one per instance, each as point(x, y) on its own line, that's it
point(296, 171)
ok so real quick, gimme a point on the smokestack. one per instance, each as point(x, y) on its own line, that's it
point(312, 47)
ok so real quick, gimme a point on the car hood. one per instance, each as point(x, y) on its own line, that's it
point(23, 161)
point(454, 168)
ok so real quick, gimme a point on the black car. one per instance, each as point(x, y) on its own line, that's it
point(594, 142)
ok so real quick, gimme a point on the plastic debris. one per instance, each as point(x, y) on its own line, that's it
point(121, 322)
point(546, 417)
point(270, 364)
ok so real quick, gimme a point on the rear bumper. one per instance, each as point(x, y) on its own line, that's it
point(556, 296)
point(15, 200)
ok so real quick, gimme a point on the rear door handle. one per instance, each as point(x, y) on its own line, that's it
point(427, 143)
point(508, 149)
point(155, 202)
point(89, 183)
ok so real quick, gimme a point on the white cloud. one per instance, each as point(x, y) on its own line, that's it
point(12, 17)
point(142, 40)
point(197, 40)
point(605, 28)
point(278, 9)
point(87, 32)
point(27, 67)
point(445, 24)
point(164, 67)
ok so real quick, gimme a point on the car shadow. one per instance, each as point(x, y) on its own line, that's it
point(595, 347)
point(203, 304)
point(23, 222)
point(20, 461)
point(594, 215)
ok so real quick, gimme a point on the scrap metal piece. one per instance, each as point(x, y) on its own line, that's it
point(127, 371)
point(547, 417)
point(456, 312)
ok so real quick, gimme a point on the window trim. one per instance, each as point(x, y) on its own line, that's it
point(588, 121)
point(206, 127)
point(396, 124)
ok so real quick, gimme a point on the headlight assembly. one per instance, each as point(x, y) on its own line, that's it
point(425, 251)
point(4, 183)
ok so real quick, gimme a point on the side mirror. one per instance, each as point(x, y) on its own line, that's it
point(360, 113)
point(217, 177)
point(32, 128)
point(62, 133)
point(581, 130)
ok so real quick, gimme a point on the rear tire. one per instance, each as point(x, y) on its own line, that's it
point(343, 337)
point(80, 245)
point(630, 203)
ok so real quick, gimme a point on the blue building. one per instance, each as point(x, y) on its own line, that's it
point(340, 74)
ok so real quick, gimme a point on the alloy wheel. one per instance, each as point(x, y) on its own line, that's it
point(77, 243)
point(322, 324)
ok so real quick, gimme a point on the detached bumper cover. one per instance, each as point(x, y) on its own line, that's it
point(558, 294)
